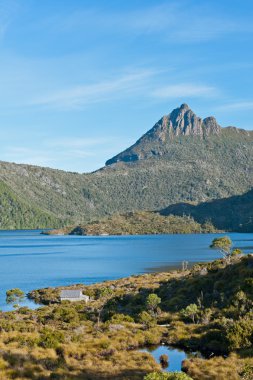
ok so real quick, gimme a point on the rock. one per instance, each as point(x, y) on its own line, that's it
point(78, 231)
point(182, 121)
point(211, 126)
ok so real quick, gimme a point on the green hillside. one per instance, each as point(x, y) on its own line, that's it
point(18, 214)
point(233, 213)
point(181, 159)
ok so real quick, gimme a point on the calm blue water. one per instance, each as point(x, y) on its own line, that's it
point(176, 356)
point(29, 260)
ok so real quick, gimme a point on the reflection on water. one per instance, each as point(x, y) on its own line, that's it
point(175, 356)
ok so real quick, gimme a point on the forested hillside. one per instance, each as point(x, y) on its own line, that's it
point(19, 214)
point(233, 213)
point(181, 159)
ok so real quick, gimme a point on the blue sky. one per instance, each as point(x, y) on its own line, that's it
point(82, 80)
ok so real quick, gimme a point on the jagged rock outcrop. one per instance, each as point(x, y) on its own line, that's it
point(181, 121)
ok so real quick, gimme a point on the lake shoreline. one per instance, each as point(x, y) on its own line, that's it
point(29, 260)
point(119, 323)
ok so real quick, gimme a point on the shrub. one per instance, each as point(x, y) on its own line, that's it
point(119, 318)
point(146, 319)
point(247, 372)
point(239, 334)
point(66, 314)
point(14, 295)
point(50, 338)
point(164, 360)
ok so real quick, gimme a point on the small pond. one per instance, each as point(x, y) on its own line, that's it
point(175, 355)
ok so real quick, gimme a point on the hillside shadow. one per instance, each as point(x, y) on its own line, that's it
point(230, 214)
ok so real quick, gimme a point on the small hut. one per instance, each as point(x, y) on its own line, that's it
point(73, 295)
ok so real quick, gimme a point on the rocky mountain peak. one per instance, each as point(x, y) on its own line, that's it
point(182, 121)
point(184, 107)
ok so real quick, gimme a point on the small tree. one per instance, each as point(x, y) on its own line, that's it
point(15, 295)
point(191, 311)
point(224, 245)
point(152, 302)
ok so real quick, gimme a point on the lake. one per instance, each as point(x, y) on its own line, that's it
point(29, 260)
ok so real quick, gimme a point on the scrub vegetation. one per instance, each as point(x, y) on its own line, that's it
point(138, 223)
point(207, 308)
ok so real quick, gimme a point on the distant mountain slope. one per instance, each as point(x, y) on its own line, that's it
point(181, 159)
point(234, 213)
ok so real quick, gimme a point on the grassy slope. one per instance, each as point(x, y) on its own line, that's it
point(224, 296)
point(191, 169)
point(137, 223)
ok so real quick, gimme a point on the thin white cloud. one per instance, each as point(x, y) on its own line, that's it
point(77, 143)
point(8, 11)
point(244, 105)
point(80, 95)
point(183, 90)
point(83, 154)
point(180, 22)
point(44, 157)
point(26, 156)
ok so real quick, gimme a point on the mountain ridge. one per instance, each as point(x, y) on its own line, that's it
point(182, 121)
point(185, 168)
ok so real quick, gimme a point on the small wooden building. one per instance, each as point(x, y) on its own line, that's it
point(73, 295)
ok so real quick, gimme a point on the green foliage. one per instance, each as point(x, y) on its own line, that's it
point(119, 318)
point(66, 314)
point(247, 372)
point(191, 311)
point(222, 243)
point(104, 293)
point(230, 214)
point(240, 334)
point(18, 213)
point(236, 251)
point(51, 338)
point(152, 302)
point(141, 222)
point(146, 319)
point(65, 339)
point(14, 295)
